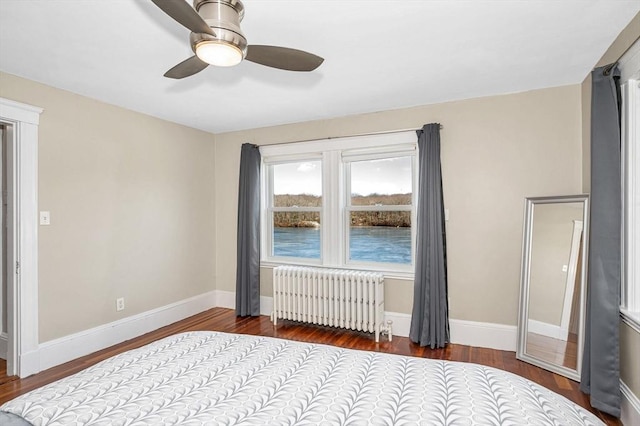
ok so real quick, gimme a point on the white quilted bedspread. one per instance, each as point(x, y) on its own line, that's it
point(211, 378)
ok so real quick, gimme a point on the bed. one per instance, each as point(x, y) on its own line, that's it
point(210, 378)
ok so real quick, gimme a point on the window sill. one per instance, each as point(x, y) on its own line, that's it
point(394, 275)
point(632, 319)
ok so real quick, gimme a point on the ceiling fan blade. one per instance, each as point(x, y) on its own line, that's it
point(188, 67)
point(283, 58)
point(185, 15)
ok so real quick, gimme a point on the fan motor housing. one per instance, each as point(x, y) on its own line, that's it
point(224, 17)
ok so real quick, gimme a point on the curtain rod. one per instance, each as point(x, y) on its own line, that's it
point(357, 135)
point(610, 66)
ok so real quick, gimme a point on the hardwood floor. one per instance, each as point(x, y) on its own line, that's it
point(555, 351)
point(220, 319)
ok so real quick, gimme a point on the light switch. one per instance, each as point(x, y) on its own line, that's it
point(565, 268)
point(45, 218)
point(446, 214)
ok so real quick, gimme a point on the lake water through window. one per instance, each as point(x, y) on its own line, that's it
point(379, 209)
point(297, 204)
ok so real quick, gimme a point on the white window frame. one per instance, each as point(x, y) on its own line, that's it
point(268, 209)
point(347, 159)
point(629, 66)
point(336, 153)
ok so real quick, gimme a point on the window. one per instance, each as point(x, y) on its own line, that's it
point(379, 210)
point(295, 209)
point(345, 202)
point(630, 85)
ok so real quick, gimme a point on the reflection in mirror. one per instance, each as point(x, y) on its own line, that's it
point(550, 326)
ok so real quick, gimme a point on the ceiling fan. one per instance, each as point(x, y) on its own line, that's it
point(216, 39)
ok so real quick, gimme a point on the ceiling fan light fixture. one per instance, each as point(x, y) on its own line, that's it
point(218, 53)
point(217, 39)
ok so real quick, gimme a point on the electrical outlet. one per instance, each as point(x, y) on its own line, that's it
point(120, 304)
point(45, 218)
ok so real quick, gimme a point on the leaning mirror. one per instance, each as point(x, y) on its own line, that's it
point(552, 296)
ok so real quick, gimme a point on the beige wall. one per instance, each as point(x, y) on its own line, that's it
point(630, 367)
point(495, 152)
point(630, 354)
point(132, 215)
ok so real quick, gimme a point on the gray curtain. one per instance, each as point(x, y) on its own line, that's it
point(601, 360)
point(248, 264)
point(430, 316)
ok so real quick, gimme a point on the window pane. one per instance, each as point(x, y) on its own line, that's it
point(383, 182)
point(297, 184)
point(296, 234)
point(380, 236)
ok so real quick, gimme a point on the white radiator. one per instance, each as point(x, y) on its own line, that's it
point(333, 297)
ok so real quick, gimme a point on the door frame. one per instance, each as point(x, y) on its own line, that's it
point(570, 282)
point(22, 246)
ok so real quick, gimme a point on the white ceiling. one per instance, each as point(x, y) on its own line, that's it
point(379, 54)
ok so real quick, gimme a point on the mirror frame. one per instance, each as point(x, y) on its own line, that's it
point(523, 316)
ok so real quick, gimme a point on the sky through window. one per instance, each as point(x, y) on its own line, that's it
point(384, 176)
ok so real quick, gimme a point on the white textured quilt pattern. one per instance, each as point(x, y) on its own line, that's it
point(211, 378)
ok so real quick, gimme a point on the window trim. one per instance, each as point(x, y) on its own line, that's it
point(629, 66)
point(335, 153)
point(347, 208)
point(267, 209)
